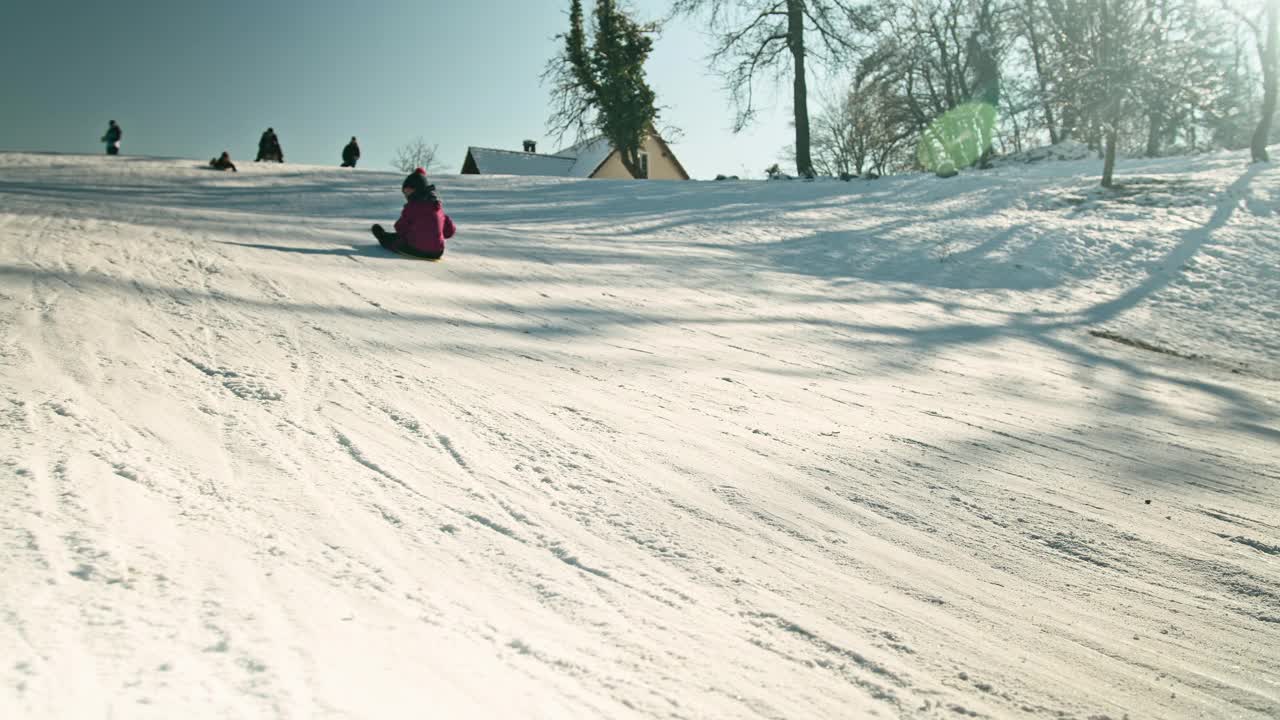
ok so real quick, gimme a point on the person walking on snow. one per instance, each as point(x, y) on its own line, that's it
point(350, 154)
point(423, 226)
point(269, 147)
point(112, 138)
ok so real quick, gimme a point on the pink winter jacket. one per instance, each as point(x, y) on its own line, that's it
point(424, 226)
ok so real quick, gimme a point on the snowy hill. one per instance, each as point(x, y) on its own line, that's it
point(999, 446)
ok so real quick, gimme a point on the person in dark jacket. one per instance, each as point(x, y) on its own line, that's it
point(350, 154)
point(269, 147)
point(112, 138)
point(423, 226)
point(223, 162)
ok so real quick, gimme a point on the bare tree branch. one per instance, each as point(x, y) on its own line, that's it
point(755, 37)
point(415, 154)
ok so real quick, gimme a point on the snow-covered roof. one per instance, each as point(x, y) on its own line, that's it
point(491, 161)
point(588, 155)
point(580, 160)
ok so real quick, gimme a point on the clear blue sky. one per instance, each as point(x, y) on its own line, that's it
point(190, 79)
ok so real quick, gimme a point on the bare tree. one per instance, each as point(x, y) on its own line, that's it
point(1267, 41)
point(1037, 46)
point(835, 146)
point(1131, 75)
point(758, 37)
point(937, 56)
point(864, 131)
point(1059, 32)
point(1270, 61)
point(415, 154)
point(1108, 69)
point(1170, 63)
point(1231, 116)
point(1263, 22)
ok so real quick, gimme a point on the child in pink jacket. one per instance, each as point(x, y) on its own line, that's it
point(423, 226)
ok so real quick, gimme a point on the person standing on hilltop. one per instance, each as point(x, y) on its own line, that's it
point(350, 153)
point(112, 138)
point(269, 147)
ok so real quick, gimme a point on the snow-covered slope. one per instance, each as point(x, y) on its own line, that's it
point(998, 446)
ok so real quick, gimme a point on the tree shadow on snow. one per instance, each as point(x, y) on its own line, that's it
point(660, 215)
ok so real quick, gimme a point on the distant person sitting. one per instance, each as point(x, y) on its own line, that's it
point(112, 138)
point(423, 226)
point(269, 147)
point(350, 154)
point(223, 162)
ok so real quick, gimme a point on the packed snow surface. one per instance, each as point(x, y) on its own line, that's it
point(1005, 445)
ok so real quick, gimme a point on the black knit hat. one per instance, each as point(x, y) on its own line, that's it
point(416, 180)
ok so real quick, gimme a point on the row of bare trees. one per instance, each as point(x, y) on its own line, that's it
point(1144, 76)
point(1135, 76)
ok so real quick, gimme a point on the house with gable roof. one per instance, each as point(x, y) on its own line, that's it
point(594, 158)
